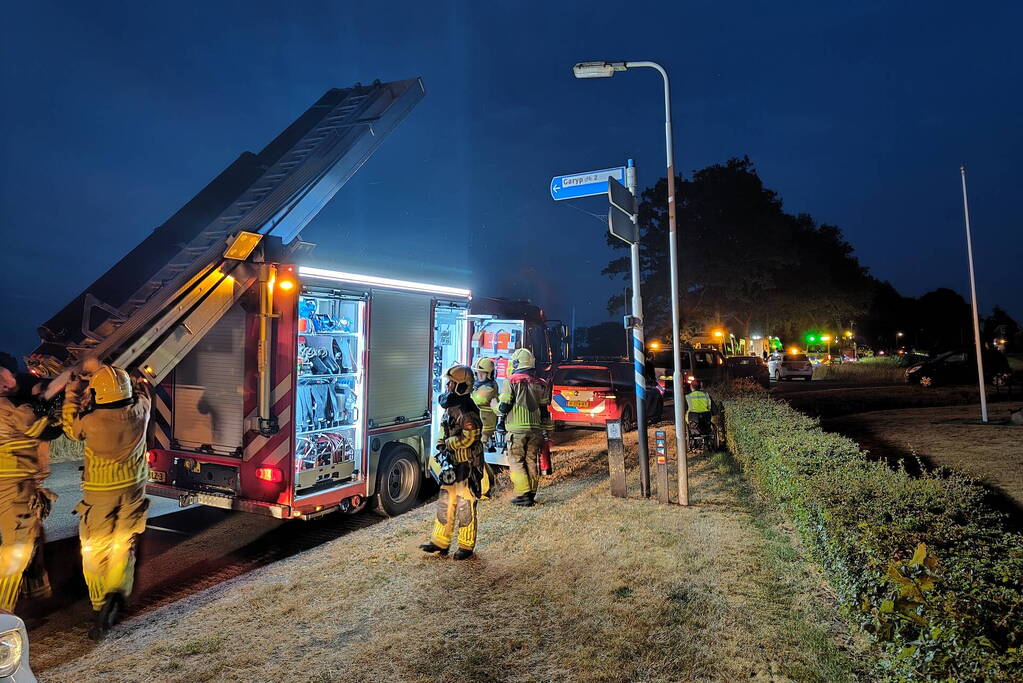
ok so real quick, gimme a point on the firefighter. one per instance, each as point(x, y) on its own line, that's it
point(524, 403)
point(24, 465)
point(109, 415)
point(484, 395)
point(459, 459)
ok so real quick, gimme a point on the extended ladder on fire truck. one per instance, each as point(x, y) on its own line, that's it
point(151, 308)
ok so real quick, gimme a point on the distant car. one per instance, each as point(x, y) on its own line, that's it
point(706, 365)
point(790, 366)
point(959, 367)
point(748, 367)
point(14, 666)
point(593, 392)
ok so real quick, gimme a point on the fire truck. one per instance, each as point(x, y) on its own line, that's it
point(281, 387)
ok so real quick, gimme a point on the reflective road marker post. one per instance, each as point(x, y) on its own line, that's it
point(616, 458)
point(661, 448)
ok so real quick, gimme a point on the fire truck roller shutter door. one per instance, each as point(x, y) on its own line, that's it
point(399, 357)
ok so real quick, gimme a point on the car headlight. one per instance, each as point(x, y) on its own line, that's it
point(11, 645)
point(915, 368)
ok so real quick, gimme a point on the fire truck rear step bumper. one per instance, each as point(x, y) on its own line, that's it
point(224, 502)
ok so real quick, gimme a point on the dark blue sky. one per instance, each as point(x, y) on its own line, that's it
point(115, 114)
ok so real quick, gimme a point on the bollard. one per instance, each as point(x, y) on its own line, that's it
point(616, 458)
point(661, 448)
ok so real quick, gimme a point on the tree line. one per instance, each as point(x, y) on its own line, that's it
point(750, 267)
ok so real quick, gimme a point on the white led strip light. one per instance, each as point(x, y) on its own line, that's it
point(381, 281)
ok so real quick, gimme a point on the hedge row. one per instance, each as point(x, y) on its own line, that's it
point(923, 564)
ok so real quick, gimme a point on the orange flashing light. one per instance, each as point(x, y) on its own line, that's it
point(286, 285)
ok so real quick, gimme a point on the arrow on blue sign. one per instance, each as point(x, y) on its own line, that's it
point(586, 184)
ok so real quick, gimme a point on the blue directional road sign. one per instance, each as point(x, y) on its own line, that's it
point(585, 184)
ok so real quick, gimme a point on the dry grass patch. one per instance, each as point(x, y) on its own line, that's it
point(990, 453)
point(580, 587)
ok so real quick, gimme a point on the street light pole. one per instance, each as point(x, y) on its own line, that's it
point(973, 294)
point(606, 70)
point(678, 396)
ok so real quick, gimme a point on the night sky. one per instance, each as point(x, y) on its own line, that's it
point(115, 115)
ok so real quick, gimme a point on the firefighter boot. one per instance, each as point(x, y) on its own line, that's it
point(431, 548)
point(525, 500)
point(462, 554)
point(107, 617)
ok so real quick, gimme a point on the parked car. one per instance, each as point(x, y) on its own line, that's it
point(789, 366)
point(14, 666)
point(707, 365)
point(588, 392)
point(959, 367)
point(748, 367)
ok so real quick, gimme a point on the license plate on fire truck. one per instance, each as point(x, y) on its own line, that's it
point(157, 476)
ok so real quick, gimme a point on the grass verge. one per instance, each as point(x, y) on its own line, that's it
point(922, 564)
point(581, 587)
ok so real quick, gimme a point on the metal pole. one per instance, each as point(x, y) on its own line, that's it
point(571, 352)
point(973, 294)
point(680, 436)
point(638, 358)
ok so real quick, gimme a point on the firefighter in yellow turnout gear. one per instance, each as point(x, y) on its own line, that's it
point(24, 503)
point(524, 402)
point(459, 467)
point(111, 420)
point(484, 395)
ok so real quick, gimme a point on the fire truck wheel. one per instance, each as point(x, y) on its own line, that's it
point(399, 480)
point(628, 419)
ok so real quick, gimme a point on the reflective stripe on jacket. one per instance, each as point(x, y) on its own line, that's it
point(115, 443)
point(19, 440)
point(461, 434)
point(482, 395)
point(525, 400)
point(699, 402)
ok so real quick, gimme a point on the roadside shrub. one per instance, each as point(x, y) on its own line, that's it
point(862, 372)
point(923, 564)
point(737, 388)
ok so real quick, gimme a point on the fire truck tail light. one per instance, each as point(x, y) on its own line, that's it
point(270, 474)
point(150, 457)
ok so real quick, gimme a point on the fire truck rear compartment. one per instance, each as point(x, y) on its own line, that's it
point(330, 390)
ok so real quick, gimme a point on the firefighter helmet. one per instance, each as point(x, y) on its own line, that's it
point(522, 359)
point(484, 365)
point(461, 376)
point(110, 385)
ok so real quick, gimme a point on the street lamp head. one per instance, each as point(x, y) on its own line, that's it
point(597, 69)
